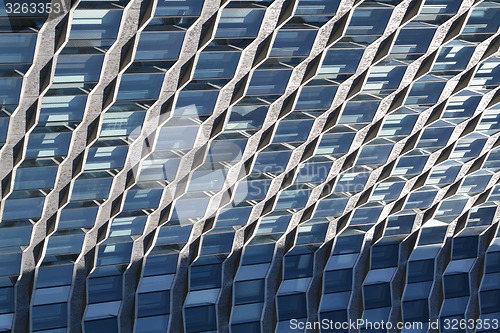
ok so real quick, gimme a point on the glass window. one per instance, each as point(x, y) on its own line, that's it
point(293, 43)
point(247, 313)
point(23, 208)
point(413, 40)
point(200, 319)
point(268, 82)
point(383, 256)
point(369, 21)
point(421, 270)
point(205, 277)
point(216, 65)
point(465, 247)
point(104, 289)
point(140, 86)
point(154, 324)
point(62, 108)
point(317, 96)
point(78, 68)
point(377, 295)
point(298, 266)
point(21, 48)
point(50, 276)
point(155, 303)
point(251, 291)
point(338, 280)
point(169, 49)
point(239, 22)
point(292, 306)
point(49, 316)
point(257, 254)
point(455, 285)
point(317, 7)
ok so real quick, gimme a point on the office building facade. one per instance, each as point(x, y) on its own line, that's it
point(249, 165)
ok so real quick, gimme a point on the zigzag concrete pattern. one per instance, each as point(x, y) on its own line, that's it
point(232, 166)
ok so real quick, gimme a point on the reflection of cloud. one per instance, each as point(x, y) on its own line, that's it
point(174, 139)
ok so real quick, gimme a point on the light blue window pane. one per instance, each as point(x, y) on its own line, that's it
point(388, 192)
point(385, 76)
point(51, 295)
point(353, 182)
point(247, 116)
point(313, 172)
point(340, 61)
point(196, 103)
point(179, 8)
point(21, 48)
point(78, 218)
point(10, 88)
point(374, 154)
point(34, 178)
point(214, 243)
point(50, 143)
point(369, 21)
point(62, 108)
point(271, 162)
point(65, 244)
point(436, 137)
point(78, 68)
point(150, 49)
point(106, 157)
point(317, 7)
point(414, 38)
point(15, 235)
point(268, 82)
point(330, 207)
point(83, 26)
point(454, 56)
point(424, 93)
point(239, 22)
point(293, 131)
point(140, 199)
point(292, 199)
point(484, 19)
point(335, 143)
point(293, 43)
point(140, 86)
point(23, 208)
point(316, 97)
point(216, 65)
point(91, 189)
point(121, 123)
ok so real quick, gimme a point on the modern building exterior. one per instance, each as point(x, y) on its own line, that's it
point(249, 166)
